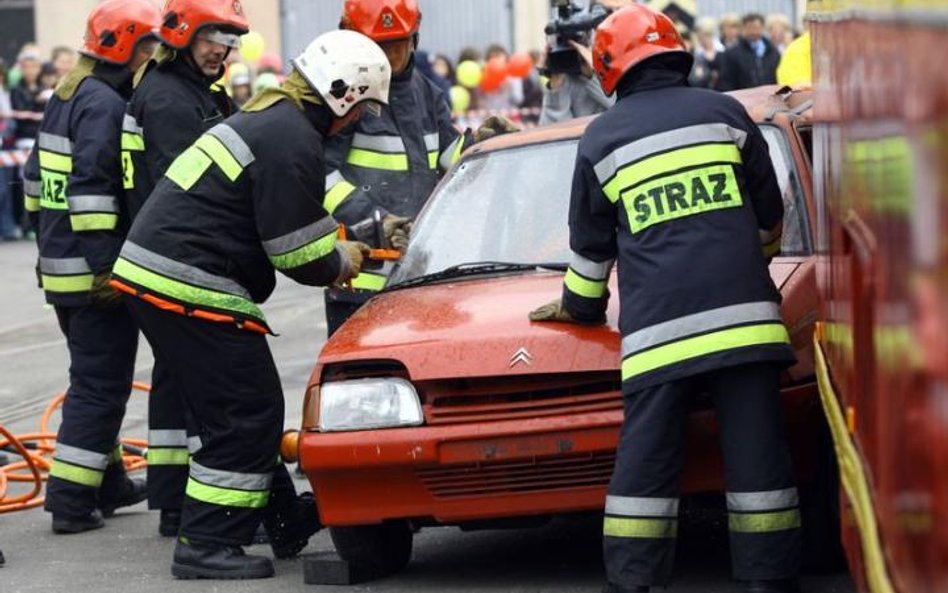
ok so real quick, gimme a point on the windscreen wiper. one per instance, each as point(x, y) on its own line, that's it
point(475, 269)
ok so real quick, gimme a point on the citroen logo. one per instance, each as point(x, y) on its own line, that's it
point(521, 356)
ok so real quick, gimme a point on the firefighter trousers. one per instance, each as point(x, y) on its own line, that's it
point(87, 469)
point(172, 438)
point(641, 521)
point(229, 383)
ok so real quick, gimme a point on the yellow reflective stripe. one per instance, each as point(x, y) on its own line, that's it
point(186, 293)
point(248, 499)
point(377, 160)
point(174, 456)
point(188, 168)
point(93, 222)
point(308, 253)
point(76, 474)
point(367, 281)
point(719, 341)
point(773, 248)
point(53, 190)
point(220, 155)
point(80, 283)
point(764, 522)
point(853, 477)
point(55, 162)
point(31, 203)
point(116, 454)
point(433, 160)
point(638, 527)
point(683, 158)
point(591, 289)
point(128, 170)
point(132, 141)
point(337, 195)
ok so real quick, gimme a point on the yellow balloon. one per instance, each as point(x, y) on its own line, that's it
point(252, 46)
point(460, 99)
point(469, 74)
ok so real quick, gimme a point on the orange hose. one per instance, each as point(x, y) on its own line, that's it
point(39, 459)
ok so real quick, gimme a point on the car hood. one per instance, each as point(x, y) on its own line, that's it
point(480, 327)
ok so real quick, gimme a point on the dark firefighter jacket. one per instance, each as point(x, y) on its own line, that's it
point(392, 162)
point(239, 203)
point(73, 184)
point(677, 185)
point(172, 105)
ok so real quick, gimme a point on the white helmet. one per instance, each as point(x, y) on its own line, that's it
point(346, 68)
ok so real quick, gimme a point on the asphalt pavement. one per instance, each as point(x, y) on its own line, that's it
point(129, 556)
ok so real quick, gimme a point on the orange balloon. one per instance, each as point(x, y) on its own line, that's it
point(495, 73)
point(520, 65)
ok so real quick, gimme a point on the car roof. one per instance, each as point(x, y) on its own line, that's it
point(762, 103)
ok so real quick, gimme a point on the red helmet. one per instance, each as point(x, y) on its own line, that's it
point(629, 36)
point(184, 18)
point(382, 20)
point(115, 27)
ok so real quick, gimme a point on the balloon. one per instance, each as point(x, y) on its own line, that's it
point(252, 45)
point(495, 73)
point(267, 80)
point(520, 65)
point(15, 76)
point(460, 98)
point(271, 62)
point(469, 74)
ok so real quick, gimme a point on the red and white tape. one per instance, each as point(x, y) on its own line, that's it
point(13, 158)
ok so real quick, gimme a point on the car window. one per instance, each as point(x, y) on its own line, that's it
point(796, 232)
point(512, 205)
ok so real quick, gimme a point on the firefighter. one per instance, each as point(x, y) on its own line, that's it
point(74, 193)
point(244, 199)
point(381, 170)
point(173, 104)
point(677, 185)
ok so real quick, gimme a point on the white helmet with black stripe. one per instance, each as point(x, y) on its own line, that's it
point(346, 69)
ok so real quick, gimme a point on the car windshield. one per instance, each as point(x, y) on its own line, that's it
point(511, 206)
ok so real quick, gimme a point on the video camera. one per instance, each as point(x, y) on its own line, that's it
point(572, 23)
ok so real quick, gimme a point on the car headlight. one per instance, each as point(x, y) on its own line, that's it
point(364, 404)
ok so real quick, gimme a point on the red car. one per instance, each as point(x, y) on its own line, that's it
point(440, 403)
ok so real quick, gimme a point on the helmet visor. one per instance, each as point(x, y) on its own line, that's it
point(231, 40)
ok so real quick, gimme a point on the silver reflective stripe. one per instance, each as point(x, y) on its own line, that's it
point(637, 506)
point(234, 143)
point(59, 144)
point(194, 444)
point(178, 271)
point(432, 141)
point(301, 237)
point(130, 124)
point(225, 479)
point(446, 160)
point(389, 144)
point(675, 329)
point(590, 269)
point(64, 267)
point(80, 204)
point(773, 500)
point(167, 438)
point(700, 134)
point(332, 179)
point(32, 188)
point(77, 456)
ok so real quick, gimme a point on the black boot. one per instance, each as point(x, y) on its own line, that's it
point(609, 588)
point(291, 525)
point(169, 522)
point(132, 492)
point(64, 524)
point(194, 560)
point(778, 586)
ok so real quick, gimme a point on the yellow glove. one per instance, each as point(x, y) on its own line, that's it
point(552, 312)
point(495, 125)
point(352, 254)
point(102, 293)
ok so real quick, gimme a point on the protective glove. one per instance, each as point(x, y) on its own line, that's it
point(352, 254)
point(395, 226)
point(102, 293)
point(556, 312)
point(495, 125)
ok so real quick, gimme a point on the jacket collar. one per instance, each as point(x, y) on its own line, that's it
point(648, 79)
point(182, 67)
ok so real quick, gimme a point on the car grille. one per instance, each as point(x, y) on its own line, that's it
point(513, 398)
point(510, 477)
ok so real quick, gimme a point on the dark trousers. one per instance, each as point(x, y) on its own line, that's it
point(228, 380)
point(341, 305)
point(87, 468)
point(172, 438)
point(763, 507)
